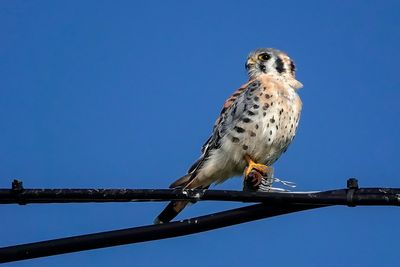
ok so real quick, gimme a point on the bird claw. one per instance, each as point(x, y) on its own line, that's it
point(253, 179)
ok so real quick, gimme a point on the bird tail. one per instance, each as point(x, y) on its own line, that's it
point(171, 211)
point(175, 206)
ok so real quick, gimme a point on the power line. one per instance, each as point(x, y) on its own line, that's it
point(273, 204)
point(350, 196)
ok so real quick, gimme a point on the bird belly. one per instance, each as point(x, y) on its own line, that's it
point(263, 130)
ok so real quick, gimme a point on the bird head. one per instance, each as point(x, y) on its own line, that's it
point(272, 61)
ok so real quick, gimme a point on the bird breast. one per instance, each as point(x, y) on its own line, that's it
point(267, 124)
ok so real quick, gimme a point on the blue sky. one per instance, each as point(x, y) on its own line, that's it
point(122, 94)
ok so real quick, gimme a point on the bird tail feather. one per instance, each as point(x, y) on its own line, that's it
point(171, 211)
point(175, 206)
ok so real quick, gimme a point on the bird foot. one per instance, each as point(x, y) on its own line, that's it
point(255, 172)
point(253, 180)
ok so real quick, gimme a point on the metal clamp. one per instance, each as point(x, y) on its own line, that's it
point(352, 185)
point(17, 188)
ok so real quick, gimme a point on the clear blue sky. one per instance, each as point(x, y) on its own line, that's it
point(115, 94)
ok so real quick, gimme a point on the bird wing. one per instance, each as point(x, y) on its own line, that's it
point(231, 110)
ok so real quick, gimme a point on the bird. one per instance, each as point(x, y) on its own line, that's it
point(255, 127)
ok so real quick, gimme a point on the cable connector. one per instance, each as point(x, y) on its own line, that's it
point(352, 186)
point(17, 188)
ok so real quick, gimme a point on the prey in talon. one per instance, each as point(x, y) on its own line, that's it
point(256, 125)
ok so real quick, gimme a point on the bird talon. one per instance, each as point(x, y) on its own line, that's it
point(264, 170)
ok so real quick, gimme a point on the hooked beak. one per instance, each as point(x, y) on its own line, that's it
point(250, 62)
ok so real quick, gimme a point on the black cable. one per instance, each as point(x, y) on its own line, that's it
point(146, 233)
point(360, 196)
point(275, 204)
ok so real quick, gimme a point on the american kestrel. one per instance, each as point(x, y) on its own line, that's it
point(256, 125)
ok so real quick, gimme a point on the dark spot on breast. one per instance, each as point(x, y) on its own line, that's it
point(256, 106)
point(256, 98)
point(270, 132)
point(248, 98)
point(266, 106)
point(235, 139)
point(252, 133)
point(236, 94)
point(251, 113)
point(280, 112)
point(239, 129)
point(267, 125)
point(264, 113)
point(267, 96)
point(246, 120)
point(256, 126)
point(272, 103)
point(272, 120)
point(245, 147)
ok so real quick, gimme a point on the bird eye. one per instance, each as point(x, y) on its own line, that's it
point(264, 57)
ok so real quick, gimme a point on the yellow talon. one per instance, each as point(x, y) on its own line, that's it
point(263, 169)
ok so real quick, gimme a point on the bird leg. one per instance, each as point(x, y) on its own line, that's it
point(255, 171)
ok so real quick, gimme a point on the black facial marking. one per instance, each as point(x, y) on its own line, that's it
point(292, 67)
point(239, 129)
point(279, 65)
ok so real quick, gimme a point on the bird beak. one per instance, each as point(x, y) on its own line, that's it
point(250, 62)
